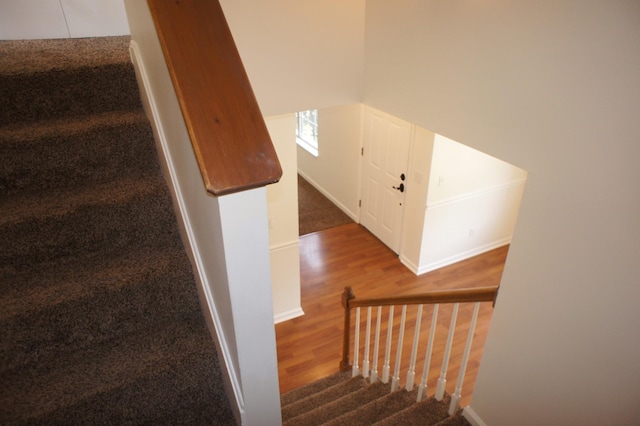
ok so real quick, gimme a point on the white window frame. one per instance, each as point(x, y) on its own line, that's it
point(307, 130)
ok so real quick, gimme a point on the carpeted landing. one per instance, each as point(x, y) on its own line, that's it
point(342, 400)
point(315, 211)
point(100, 321)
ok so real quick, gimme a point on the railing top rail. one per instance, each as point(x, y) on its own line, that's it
point(480, 294)
point(227, 129)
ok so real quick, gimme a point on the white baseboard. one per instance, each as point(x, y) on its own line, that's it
point(472, 417)
point(409, 264)
point(341, 206)
point(461, 256)
point(285, 316)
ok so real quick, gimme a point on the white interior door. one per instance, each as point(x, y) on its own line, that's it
point(385, 160)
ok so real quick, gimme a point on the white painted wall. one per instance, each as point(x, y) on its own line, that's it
point(460, 171)
point(552, 86)
point(335, 172)
point(282, 200)
point(472, 204)
point(300, 55)
point(38, 19)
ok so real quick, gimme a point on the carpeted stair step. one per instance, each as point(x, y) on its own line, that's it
point(342, 400)
point(141, 370)
point(314, 387)
point(329, 394)
point(424, 413)
point(105, 218)
point(65, 78)
point(455, 420)
point(377, 409)
point(53, 155)
point(338, 407)
point(71, 314)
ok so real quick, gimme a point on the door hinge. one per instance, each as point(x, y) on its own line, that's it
point(362, 152)
point(359, 203)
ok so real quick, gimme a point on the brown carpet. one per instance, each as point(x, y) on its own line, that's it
point(340, 400)
point(315, 211)
point(100, 321)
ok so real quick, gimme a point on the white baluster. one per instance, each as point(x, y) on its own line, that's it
point(422, 389)
point(411, 374)
point(442, 381)
point(455, 398)
point(356, 345)
point(387, 353)
point(396, 373)
point(365, 361)
point(376, 346)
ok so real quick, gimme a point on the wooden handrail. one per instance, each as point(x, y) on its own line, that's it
point(227, 130)
point(480, 294)
point(349, 300)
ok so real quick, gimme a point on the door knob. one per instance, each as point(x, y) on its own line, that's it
point(399, 188)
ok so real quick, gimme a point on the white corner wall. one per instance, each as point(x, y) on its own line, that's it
point(335, 172)
point(418, 175)
point(42, 19)
point(472, 204)
point(553, 87)
point(282, 199)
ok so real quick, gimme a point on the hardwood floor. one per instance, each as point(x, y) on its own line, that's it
point(310, 347)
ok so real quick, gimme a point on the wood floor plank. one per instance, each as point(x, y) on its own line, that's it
point(310, 347)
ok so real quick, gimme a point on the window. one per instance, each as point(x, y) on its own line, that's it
point(307, 130)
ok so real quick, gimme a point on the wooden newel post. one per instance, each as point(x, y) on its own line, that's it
point(347, 296)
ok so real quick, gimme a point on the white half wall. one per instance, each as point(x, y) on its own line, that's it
point(468, 226)
point(226, 239)
point(282, 200)
point(335, 172)
point(472, 204)
point(553, 87)
point(459, 171)
point(42, 19)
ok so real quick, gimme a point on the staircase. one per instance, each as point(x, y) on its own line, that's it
point(344, 400)
point(100, 321)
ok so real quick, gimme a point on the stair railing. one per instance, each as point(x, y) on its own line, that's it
point(397, 333)
point(210, 130)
